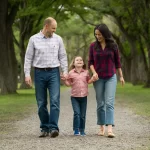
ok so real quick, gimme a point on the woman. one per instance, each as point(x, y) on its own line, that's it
point(104, 60)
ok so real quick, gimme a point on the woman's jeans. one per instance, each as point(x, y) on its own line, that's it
point(48, 80)
point(105, 95)
point(79, 105)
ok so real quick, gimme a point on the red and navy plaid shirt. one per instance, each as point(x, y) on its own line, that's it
point(105, 61)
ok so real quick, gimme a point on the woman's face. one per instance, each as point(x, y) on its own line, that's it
point(99, 36)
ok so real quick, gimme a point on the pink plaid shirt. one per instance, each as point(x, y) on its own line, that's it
point(79, 82)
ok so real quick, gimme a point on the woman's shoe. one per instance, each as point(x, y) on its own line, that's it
point(111, 135)
point(101, 133)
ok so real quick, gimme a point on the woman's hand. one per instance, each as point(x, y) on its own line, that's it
point(122, 81)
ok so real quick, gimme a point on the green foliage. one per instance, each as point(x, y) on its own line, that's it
point(126, 46)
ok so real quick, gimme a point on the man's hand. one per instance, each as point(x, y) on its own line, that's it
point(65, 75)
point(28, 81)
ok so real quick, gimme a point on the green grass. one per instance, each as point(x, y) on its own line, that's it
point(17, 106)
point(135, 97)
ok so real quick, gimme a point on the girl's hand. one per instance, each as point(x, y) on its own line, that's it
point(122, 81)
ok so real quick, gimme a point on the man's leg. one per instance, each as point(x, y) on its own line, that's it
point(54, 91)
point(41, 97)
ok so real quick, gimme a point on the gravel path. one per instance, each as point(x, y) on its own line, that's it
point(132, 131)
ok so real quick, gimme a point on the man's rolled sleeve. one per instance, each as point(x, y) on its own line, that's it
point(63, 57)
point(28, 58)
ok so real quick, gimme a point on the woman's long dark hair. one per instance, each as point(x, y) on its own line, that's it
point(110, 43)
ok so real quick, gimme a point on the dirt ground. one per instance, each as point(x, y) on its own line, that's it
point(132, 131)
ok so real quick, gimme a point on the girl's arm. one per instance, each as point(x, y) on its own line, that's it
point(90, 80)
point(67, 82)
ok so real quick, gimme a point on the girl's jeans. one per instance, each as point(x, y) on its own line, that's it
point(79, 105)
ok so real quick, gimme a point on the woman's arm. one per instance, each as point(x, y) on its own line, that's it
point(95, 75)
point(121, 76)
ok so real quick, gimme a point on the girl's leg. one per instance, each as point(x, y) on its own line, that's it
point(83, 107)
point(76, 116)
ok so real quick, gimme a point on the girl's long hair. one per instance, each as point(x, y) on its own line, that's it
point(110, 43)
point(72, 63)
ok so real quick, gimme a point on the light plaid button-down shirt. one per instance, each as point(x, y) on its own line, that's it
point(45, 52)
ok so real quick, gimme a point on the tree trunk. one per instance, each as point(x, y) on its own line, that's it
point(8, 63)
point(22, 53)
point(126, 69)
point(134, 64)
point(3, 41)
point(85, 48)
point(148, 72)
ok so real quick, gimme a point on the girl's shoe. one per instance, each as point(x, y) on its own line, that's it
point(76, 132)
point(82, 133)
point(111, 135)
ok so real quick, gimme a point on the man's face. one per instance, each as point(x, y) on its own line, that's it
point(51, 28)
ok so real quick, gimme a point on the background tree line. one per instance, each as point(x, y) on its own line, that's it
point(128, 20)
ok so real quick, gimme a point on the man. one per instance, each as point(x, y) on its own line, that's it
point(46, 52)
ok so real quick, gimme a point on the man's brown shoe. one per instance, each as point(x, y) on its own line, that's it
point(54, 133)
point(43, 134)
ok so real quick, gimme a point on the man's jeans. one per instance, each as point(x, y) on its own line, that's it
point(79, 105)
point(105, 95)
point(48, 80)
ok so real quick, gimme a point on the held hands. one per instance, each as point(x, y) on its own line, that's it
point(95, 77)
point(64, 76)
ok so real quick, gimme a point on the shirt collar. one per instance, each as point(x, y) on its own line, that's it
point(77, 72)
point(43, 36)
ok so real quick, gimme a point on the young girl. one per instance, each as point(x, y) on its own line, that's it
point(78, 79)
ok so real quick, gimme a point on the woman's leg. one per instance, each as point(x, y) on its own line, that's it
point(110, 90)
point(99, 87)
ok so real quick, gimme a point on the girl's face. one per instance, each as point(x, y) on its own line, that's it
point(78, 62)
point(99, 36)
